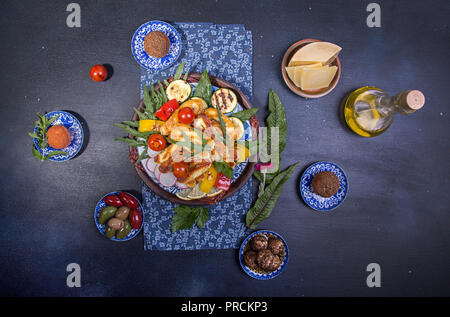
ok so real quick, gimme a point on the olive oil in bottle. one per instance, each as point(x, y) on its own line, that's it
point(369, 111)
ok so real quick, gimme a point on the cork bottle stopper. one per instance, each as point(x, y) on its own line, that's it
point(413, 99)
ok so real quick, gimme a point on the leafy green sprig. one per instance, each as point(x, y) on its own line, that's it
point(185, 217)
point(42, 125)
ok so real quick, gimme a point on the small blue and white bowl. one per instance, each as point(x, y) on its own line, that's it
point(102, 228)
point(268, 275)
point(316, 201)
point(150, 62)
point(76, 133)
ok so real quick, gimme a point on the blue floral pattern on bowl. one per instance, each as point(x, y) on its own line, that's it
point(76, 133)
point(238, 169)
point(102, 228)
point(150, 62)
point(316, 201)
point(263, 276)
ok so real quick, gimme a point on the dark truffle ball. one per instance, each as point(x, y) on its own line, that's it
point(325, 184)
point(276, 262)
point(258, 242)
point(276, 246)
point(264, 258)
point(250, 259)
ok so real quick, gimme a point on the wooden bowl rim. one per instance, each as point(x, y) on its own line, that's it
point(235, 186)
point(320, 92)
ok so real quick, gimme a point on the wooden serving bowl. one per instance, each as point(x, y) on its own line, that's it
point(235, 186)
point(316, 93)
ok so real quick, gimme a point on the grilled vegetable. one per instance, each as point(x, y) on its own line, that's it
point(210, 179)
point(224, 98)
point(167, 109)
point(150, 125)
point(179, 90)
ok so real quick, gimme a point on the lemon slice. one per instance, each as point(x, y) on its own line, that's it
point(196, 192)
point(239, 125)
point(214, 192)
point(183, 194)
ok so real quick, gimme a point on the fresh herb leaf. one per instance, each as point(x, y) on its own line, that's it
point(53, 153)
point(185, 217)
point(222, 125)
point(162, 93)
point(203, 89)
point(148, 102)
point(244, 115)
point(131, 142)
point(186, 76)
point(266, 202)
point(202, 217)
point(276, 119)
point(134, 124)
point(178, 72)
point(42, 125)
point(224, 168)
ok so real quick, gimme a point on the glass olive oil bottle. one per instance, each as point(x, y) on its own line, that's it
point(369, 111)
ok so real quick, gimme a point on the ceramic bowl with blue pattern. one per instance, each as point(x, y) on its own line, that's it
point(242, 171)
point(262, 275)
point(316, 201)
point(76, 133)
point(102, 228)
point(150, 62)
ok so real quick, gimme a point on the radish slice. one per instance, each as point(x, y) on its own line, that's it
point(157, 172)
point(167, 179)
point(181, 185)
point(152, 153)
point(151, 165)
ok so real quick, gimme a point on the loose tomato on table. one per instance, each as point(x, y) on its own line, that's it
point(167, 109)
point(128, 200)
point(156, 142)
point(186, 115)
point(98, 73)
point(180, 169)
point(135, 218)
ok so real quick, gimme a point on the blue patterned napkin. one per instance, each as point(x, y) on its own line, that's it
point(225, 50)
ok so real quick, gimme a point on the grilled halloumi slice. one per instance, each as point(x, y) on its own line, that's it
point(197, 105)
point(197, 170)
point(166, 154)
point(230, 128)
point(222, 152)
point(181, 130)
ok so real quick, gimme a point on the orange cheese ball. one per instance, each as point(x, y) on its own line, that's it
point(58, 137)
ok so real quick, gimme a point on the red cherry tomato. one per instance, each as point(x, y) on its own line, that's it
point(113, 200)
point(135, 218)
point(128, 200)
point(156, 142)
point(186, 115)
point(98, 73)
point(180, 169)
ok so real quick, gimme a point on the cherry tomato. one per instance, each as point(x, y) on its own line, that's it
point(128, 200)
point(113, 200)
point(186, 115)
point(98, 73)
point(180, 169)
point(135, 218)
point(156, 142)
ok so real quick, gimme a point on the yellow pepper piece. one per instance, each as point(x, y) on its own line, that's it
point(242, 153)
point(208, 182)
point(150, 125)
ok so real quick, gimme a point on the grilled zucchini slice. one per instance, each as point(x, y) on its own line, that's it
point(179, 89)
point(225, 98)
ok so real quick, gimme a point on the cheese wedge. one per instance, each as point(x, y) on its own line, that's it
point(323, 52)
point(294, 72)
point(316, 78)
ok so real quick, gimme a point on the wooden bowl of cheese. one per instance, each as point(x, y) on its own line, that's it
point(311, 68)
